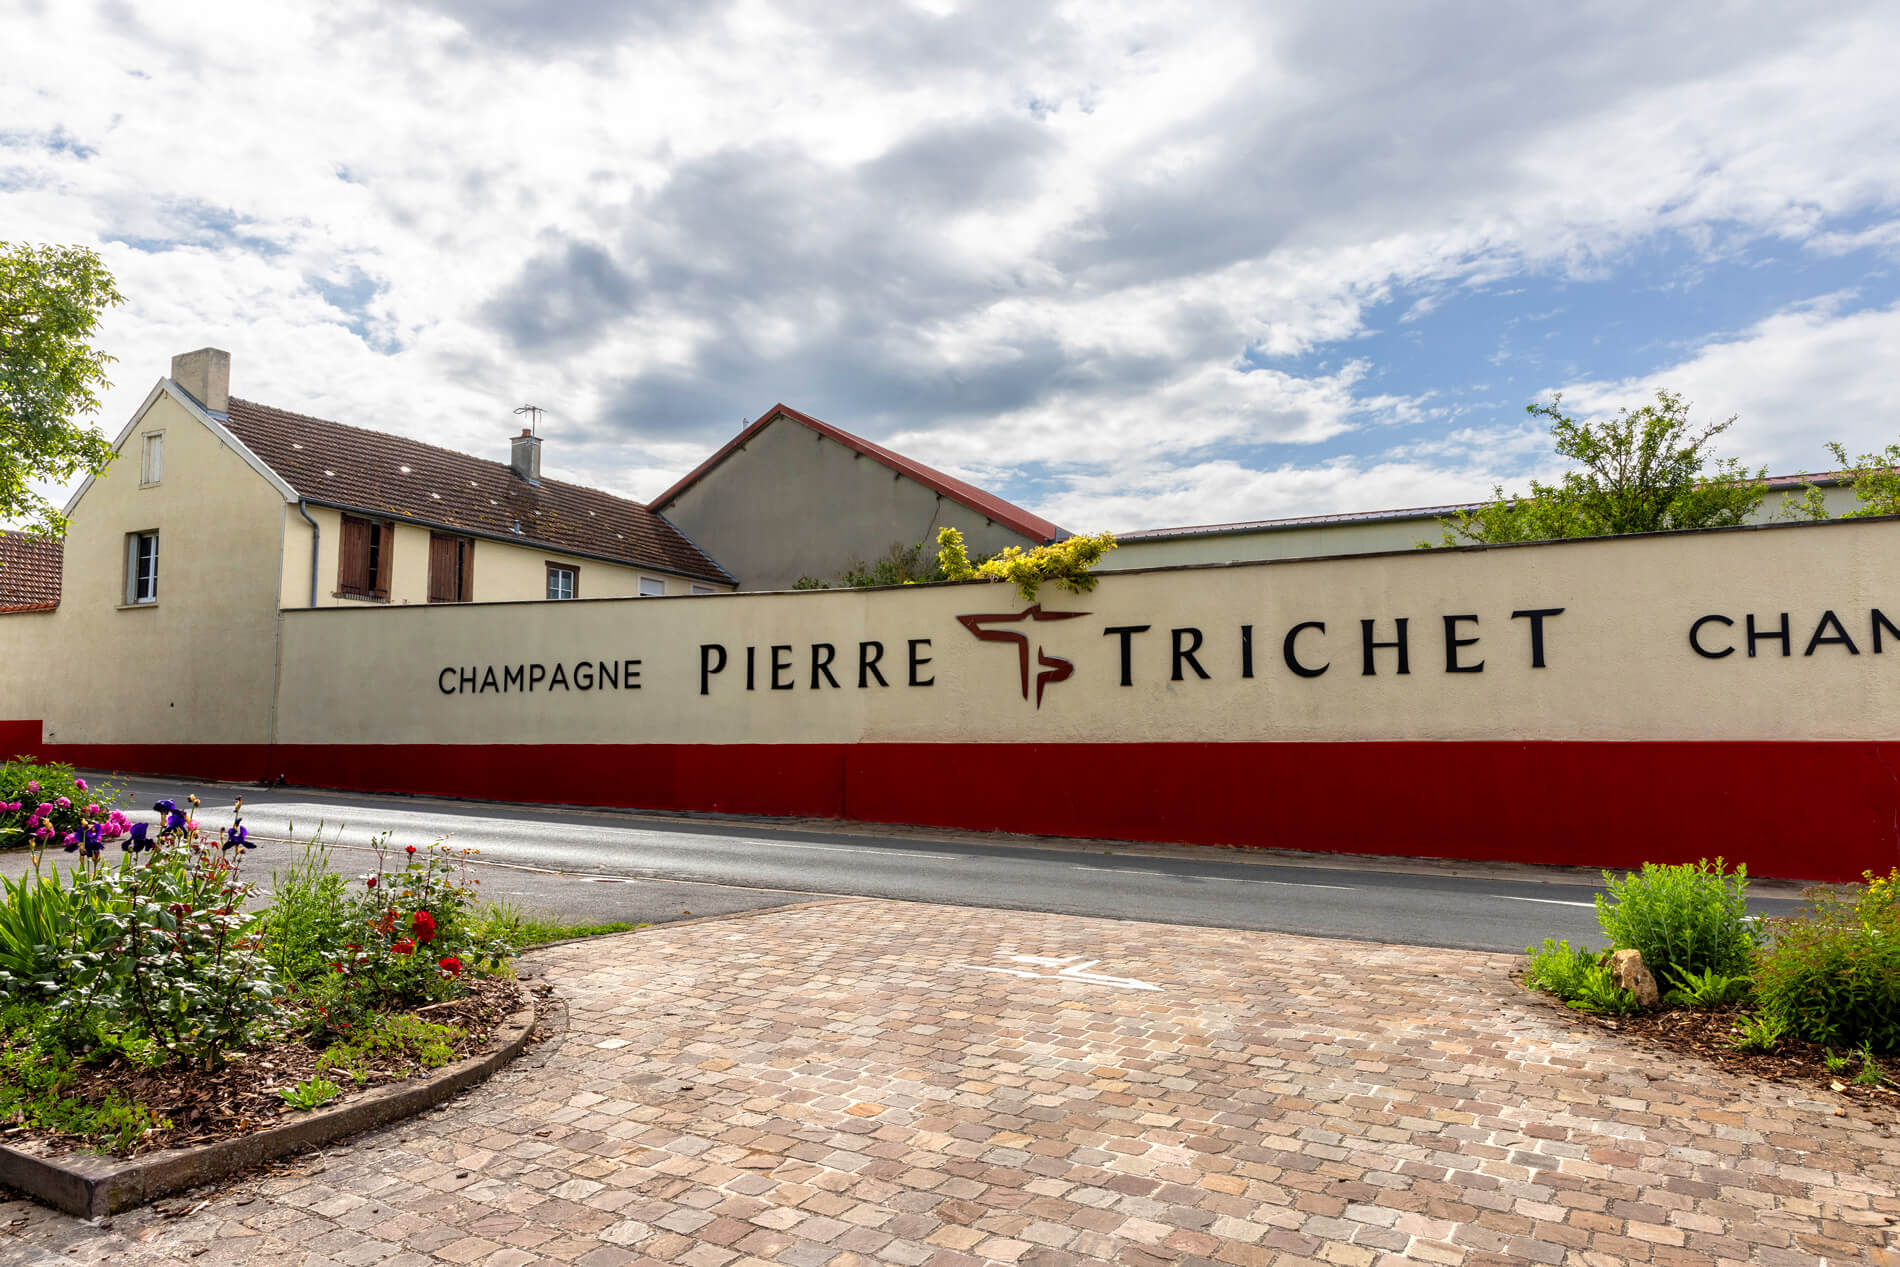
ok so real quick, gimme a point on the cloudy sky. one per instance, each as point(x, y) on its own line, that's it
point(1132, 265)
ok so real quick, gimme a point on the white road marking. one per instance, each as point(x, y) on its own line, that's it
point(1547, 901)
point(1068, 969)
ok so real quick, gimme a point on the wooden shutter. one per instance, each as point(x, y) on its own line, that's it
point(465, 591)
point(352, 575)
point(445, 568)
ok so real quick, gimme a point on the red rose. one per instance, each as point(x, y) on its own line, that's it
point(451, 966)
point(424, 924)
point(404, 947)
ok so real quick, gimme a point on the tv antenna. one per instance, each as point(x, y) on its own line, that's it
point(534, 413)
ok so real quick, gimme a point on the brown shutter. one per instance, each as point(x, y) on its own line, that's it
point(445, 568)
point(352, 575)
point(466, 592)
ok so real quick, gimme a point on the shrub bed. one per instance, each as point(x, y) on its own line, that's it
point(1813, 996)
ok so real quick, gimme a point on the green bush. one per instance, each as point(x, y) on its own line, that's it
point(1579, 977)
point(1758, 1032)
point(1832, 975)
point(28, 787)
point(1691, 918)
point(1708, 988)
point(311, 918)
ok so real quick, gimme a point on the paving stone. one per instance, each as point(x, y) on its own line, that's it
point(875, 1082)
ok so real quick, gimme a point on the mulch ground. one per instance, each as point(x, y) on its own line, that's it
point(205, 1106)
point(1706, 1033)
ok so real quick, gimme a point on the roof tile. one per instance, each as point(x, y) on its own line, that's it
point(30, 572)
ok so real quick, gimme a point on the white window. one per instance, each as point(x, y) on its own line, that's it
point(652, 587)
point(152, 459)
point(563, 582)
point(704, 589)
point(141, 568)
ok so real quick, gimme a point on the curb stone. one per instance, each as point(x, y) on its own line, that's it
point(90, 1186)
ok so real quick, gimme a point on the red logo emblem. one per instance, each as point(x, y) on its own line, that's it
point(1051, 668)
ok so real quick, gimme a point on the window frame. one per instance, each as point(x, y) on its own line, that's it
point(465, 567)
point(641, 587)
point(135, 593)
point(700, 591)
point(573, 583)
point(150, 442)
point(381, 561)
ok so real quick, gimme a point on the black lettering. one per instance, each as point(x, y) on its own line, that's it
point(1536, 616)
point(1398, 643)
point(869, 653)
point(1127, 634)
point(822, 654)
point(1290, 653)
point(1755, 636)
point(1881, 621)
point(465, 682)
point(535, 673)
point(630, 675)
point(918, 662)
point(1695, 637)
point(607, 673)
point(442, 681)
point(1185, 655)
point(1246, 651)
point(587, 683)
point(489, 683)
point(751, 666)
point(708, 666)
point(1453, 642)
point(560, 676)
point(784, 667)
point(515, 676)
point(1839, 637)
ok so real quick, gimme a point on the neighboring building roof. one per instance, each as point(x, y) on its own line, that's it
point(350, 468)
point(1776, 484)
point(30, 570)
point(989, 505)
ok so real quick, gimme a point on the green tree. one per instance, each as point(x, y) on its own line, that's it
point(1876, 482)
point(51, 301)
point(1646, 470)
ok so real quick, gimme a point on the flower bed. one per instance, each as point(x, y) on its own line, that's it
point(143, 1005)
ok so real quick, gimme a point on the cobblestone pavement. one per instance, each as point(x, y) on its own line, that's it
point(872, 1082)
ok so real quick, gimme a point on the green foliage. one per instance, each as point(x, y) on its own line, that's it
point(1647, 470)
point(1578, 976)
point(1832, 976)
point(1064, 564)
point(508, 924)
point(310, 917)
point(1871, 1074)
point(1758, 1032)
point(311, 1093)
point(1687, 919)
point(1707, 988)
point(36, 1081)
point(1876, 484)
point(51, 300)
point(1835, 1063)
point(392, 1039)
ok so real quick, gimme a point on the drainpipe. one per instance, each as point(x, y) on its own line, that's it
point(316, 540)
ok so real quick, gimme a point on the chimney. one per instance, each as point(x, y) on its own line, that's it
point(206, 377)
point(524, 454)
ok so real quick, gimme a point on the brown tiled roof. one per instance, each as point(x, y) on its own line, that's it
point(29, 572)
point(987, 504)
point(386, 475)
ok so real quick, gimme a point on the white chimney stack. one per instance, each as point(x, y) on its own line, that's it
point(525, 456)
point(206, 377)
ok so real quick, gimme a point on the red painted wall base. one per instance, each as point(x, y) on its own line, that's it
point(1816, 810)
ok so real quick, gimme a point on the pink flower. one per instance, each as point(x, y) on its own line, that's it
point(80, 784)
point(33, 787)
point(45, 832)
point(92, 810)
point(63, 803)
point(32, 821)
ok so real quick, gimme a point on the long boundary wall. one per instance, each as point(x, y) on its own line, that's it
point(1598, 702)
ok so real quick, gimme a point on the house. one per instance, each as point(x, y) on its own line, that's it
point(791, 497)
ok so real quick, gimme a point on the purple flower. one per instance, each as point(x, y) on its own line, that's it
point(137, 841)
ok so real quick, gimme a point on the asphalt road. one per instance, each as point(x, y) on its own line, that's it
point(593, 866)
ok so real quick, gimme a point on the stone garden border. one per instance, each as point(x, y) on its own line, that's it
point(91, 1186)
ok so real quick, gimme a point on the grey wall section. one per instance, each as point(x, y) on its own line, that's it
point(795, 503)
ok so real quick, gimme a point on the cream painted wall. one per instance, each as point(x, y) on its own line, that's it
point(503, 572)
point(199, 664)
point(1619, 662)
point(793, 503)
point(1314, 541)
